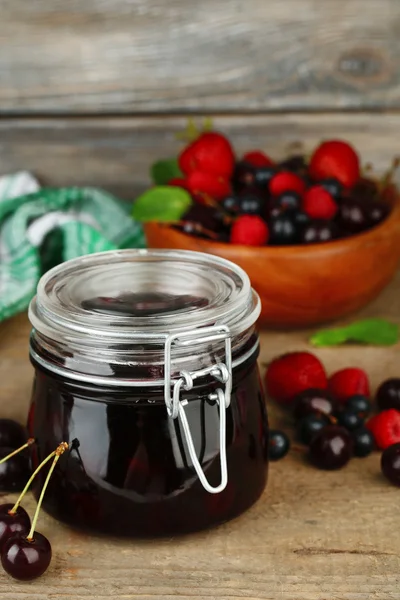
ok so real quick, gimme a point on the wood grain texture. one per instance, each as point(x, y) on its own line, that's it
point(312, 536)
point(150, 56)
point(116, 153)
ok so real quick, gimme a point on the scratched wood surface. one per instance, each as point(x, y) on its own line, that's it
point(150, 55)
point(116, 153)
point(313, 535)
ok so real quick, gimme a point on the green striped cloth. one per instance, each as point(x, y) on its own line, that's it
point(40, 228)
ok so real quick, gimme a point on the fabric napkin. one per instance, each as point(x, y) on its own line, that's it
point(40, 228)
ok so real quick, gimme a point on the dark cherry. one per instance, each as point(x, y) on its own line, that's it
point(204, 215)
point(230, 204)
point(376, 212)
point(26, 559)
point(250, 204)
point(15, 472)
point(333, 186)
point(287, 200)
point(309, 426)
point(365, 190)
point(352, 216)
point(359, 404)
point(243, 176)
point(12, 434)
point(263, 176)
point(388, 394)
point(196, 229)
point(278, 444)
point(349, 419)
point(313, 401)
point(10, 524)
point(363, 442)
point(331, 448)
point(390, 464)
point(295, 164)
point(283, 229)
point(316, 232)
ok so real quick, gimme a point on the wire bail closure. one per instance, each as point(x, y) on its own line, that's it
point(222, 372)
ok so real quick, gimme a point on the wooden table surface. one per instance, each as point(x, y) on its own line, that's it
point(313, 535)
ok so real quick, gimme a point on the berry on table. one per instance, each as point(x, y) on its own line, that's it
point(390, 464)
point(349, 382)
point(249, 230)
point(309, 426)
point(317, 232)
point(349, 419)
point(363, 442)
point(278, 444)
point(388, 394)
point(331, 448)
point(337, 159)
point(313, 401)
point(12, 521)
point(319, 204)
point(385, 428)
point(359, 404)
point(285, 181)
point(283, 229)
point(257, 158)
point(210, 153)
point(292, 373)
point(24, 558)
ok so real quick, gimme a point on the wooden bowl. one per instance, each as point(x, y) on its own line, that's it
point(307, 284)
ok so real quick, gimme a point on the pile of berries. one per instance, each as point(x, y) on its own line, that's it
point(257, 201)
point(332, 416)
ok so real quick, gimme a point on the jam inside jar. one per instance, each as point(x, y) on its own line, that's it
point(146, 364)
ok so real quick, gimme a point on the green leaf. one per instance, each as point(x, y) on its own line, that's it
point(162, 203)
point(379, 332)
point(163, 171)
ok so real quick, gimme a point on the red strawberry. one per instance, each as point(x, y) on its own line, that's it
point(178, 182)
point(319, 204)
point(257, 158)
point(335, 159)
point(286, 181)
point(250, 230)
point(385, 427)
point(349, 382)
point(199, 182)
point(292, 373)
point(210, 153)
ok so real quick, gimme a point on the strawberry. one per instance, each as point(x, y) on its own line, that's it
point(250, 230)
point(210, 153)
point(335, 159)
point(319, 204)
point(292, 373)
point(200, 182)
point(286, 181)
point(349, 382)
point(257, 158)
point(385, 427)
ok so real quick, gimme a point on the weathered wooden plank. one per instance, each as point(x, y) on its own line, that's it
point(150, 55)
point(116, 153)
point(313, 535)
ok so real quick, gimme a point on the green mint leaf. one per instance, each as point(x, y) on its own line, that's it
point(161, 203)
point(163, 171)
point(379, 332)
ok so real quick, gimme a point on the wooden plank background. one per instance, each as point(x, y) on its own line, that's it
point(92, 92)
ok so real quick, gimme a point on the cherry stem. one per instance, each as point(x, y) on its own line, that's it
point(57, 453)
point(14, 509)
point(14, 452)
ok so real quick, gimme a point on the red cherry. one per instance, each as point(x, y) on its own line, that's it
point(286, 181)
point(337, 159)
point(349, 382)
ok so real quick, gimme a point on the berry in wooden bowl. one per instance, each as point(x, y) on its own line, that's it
point(318, 239)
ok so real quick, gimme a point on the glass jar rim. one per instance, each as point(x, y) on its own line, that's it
point(58, 309)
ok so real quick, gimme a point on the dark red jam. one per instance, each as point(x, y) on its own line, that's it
point(120, 338)
point(129, 472)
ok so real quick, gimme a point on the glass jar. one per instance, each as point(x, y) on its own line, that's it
point(145, 363)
